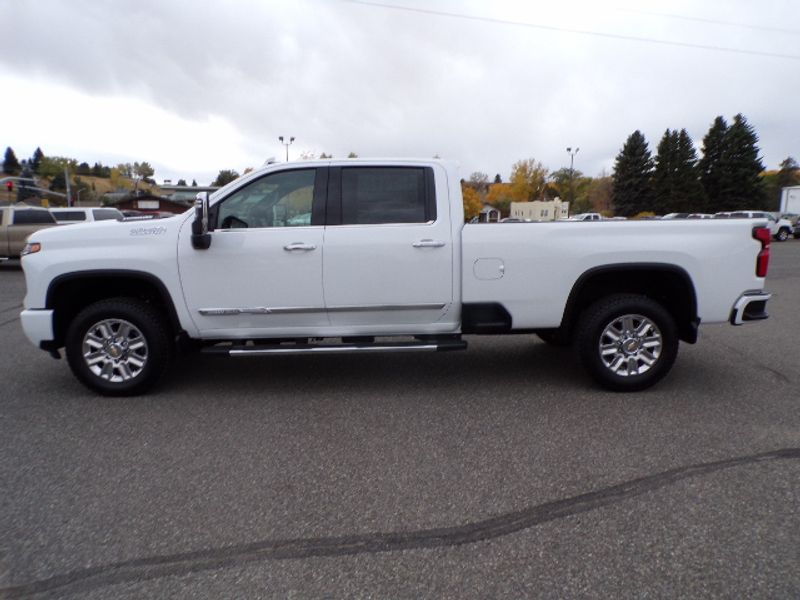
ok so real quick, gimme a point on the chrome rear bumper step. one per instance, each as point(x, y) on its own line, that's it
point(751, 306)
point(286, 349)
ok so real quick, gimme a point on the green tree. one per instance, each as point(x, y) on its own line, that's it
point(633, 169)
point(601, 193)
point(182, 182)
point(709, 166)
point(572, 186)
point(194, 183)
point(36, 160)
point(50, 166)
point(23, 189)
point(498, 179)
point(352, 155)
point(58, 183)
point(225, 177)
point(789, 173)
point(676, 186)
point(740, 168)
point(142, 171)
point(11, 165)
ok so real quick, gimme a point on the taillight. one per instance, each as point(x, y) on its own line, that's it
point(763, 235)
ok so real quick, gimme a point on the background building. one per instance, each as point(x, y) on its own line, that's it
point(540, 210)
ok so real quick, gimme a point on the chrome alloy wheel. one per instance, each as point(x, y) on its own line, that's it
point(115, 350)
point(630, 345)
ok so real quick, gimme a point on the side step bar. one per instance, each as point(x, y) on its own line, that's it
point(267, 349)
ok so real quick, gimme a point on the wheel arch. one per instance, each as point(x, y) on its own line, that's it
point(670, 285)
point(69, 293)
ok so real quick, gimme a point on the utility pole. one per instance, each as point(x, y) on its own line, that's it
point(69, 191)
point(572, 173)
point(287, 144)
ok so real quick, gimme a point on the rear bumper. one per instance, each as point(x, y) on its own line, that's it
point(751, 306)
point(37, 325)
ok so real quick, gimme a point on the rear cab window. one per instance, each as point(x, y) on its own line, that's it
point(106, 214)
point(69, 215)
point(32, 217)
point(382, 195)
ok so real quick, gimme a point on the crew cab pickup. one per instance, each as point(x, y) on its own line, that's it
point(17, 222)
point(374, 256)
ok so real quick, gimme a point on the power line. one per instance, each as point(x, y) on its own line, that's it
point(613, 36)
point(712, 21)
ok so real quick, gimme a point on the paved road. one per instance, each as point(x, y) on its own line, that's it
point(501, 471)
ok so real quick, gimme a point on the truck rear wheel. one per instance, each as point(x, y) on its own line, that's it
point(118, 346)
point(627, 342)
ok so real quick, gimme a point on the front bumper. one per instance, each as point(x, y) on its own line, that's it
point(751, 306)
point(37, 325)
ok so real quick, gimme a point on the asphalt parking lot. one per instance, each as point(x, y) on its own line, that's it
point(500, 471)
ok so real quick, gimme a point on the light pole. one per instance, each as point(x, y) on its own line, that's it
point(287, 144)
point(571, 172)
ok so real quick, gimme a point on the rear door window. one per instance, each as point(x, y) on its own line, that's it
point(375, 195)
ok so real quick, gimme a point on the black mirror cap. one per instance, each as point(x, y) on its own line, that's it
point(201, 238)
point(201, 241)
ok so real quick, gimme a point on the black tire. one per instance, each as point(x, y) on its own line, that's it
point(554, 337)
point(127, 342)
point(782, 235)
point(644, 350)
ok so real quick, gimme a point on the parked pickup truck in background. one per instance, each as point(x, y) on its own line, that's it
point(339, 255)
point(17, 222)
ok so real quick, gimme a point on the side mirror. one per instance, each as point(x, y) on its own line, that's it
point(201, 238)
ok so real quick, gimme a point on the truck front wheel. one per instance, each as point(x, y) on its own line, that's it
point(118, 346)
point(627, 342)
point(782, 235)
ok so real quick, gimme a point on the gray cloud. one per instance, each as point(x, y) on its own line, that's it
point(341, 76)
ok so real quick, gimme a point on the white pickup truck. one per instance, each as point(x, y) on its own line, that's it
point(374, 256)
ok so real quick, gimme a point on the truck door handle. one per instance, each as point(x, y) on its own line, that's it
point(299, 246)
point(428, 244)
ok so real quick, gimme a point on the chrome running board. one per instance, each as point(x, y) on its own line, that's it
point(287, 349)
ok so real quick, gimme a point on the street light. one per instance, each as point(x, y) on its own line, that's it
point(571, 172)
point(287, 144)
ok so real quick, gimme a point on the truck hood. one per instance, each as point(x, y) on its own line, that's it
point(113, 232)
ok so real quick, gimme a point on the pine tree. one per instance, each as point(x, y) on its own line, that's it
point(11, 165)
point(740, 166)
point(633, 169)
point(709, 166)
point(23, 189)
point(665, 198)
point(36, 160)
point(687, 180)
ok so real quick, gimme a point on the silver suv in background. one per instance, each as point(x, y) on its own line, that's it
point(780, 229)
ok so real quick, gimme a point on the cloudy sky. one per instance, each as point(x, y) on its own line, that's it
point(194, 86)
